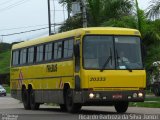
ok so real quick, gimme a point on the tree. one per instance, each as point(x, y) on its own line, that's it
point(94, 8)
point(71, 23)
point(154, 10)
point(139, 16)
point(103, 10)
point(128, 15)
point(151, 34)
point(68, 3)
point(117, 8)
point(98, 11)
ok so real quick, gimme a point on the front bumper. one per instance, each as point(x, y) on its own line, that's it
point(2, 94)
point(107, 97)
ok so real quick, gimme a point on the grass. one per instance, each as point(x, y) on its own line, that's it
point(146, 104)
point(7, 88)
point(149, 103)
point(153, 99)
point(4, 62)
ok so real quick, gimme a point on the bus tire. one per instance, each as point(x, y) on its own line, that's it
point(63, 107)
point(70, 105)
point(25, 99)
point(121, 107)
point(33, 104)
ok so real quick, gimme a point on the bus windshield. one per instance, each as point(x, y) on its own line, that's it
point(112, 52)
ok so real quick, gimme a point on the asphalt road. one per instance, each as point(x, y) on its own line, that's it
point(11, 109)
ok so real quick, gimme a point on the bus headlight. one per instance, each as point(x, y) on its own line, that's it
point(135, 95)
point(140, 94)
point(91, 95)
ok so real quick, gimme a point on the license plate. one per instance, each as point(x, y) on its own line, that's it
point(117, 96)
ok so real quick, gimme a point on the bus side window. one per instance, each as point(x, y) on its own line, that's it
point(68, 48)
point(58, 50)
point(30, 55)
point(15, 58)
point(39, 56)
point(23, 56)
point(48, 51)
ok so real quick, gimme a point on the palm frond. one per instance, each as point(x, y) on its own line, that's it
point(154, 10)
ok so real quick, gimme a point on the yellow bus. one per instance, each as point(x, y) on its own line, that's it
point(86, 66)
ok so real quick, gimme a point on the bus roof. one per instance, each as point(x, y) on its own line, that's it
point(78, 32)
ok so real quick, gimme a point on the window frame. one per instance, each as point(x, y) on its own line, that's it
point(35, 62)
point(39, 54)
point(68, 49)
point(113, 51)
point(13, 63)
point(28, 61)
point(57, 58)
point(52, 50)
point(22, 55)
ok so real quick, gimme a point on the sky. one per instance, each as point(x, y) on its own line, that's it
point(25, 15)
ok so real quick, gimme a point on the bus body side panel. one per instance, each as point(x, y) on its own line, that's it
point(46, 79)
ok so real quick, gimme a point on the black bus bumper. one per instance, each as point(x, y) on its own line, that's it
point(108, 97)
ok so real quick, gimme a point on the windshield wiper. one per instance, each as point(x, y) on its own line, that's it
point(117, 57)
point(107, 61)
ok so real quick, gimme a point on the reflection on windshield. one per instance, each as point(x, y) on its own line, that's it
point(97, 49)
point(126, 53)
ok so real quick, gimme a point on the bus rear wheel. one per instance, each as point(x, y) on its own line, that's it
point(25, 99)
point(33, 104)
point(121, 107)
point(70, 105)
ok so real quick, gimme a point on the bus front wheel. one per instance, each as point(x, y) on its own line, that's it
point(25, 99)
point(70, 105)
point(33, 104)
point(121, 107)
point(63, 107)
